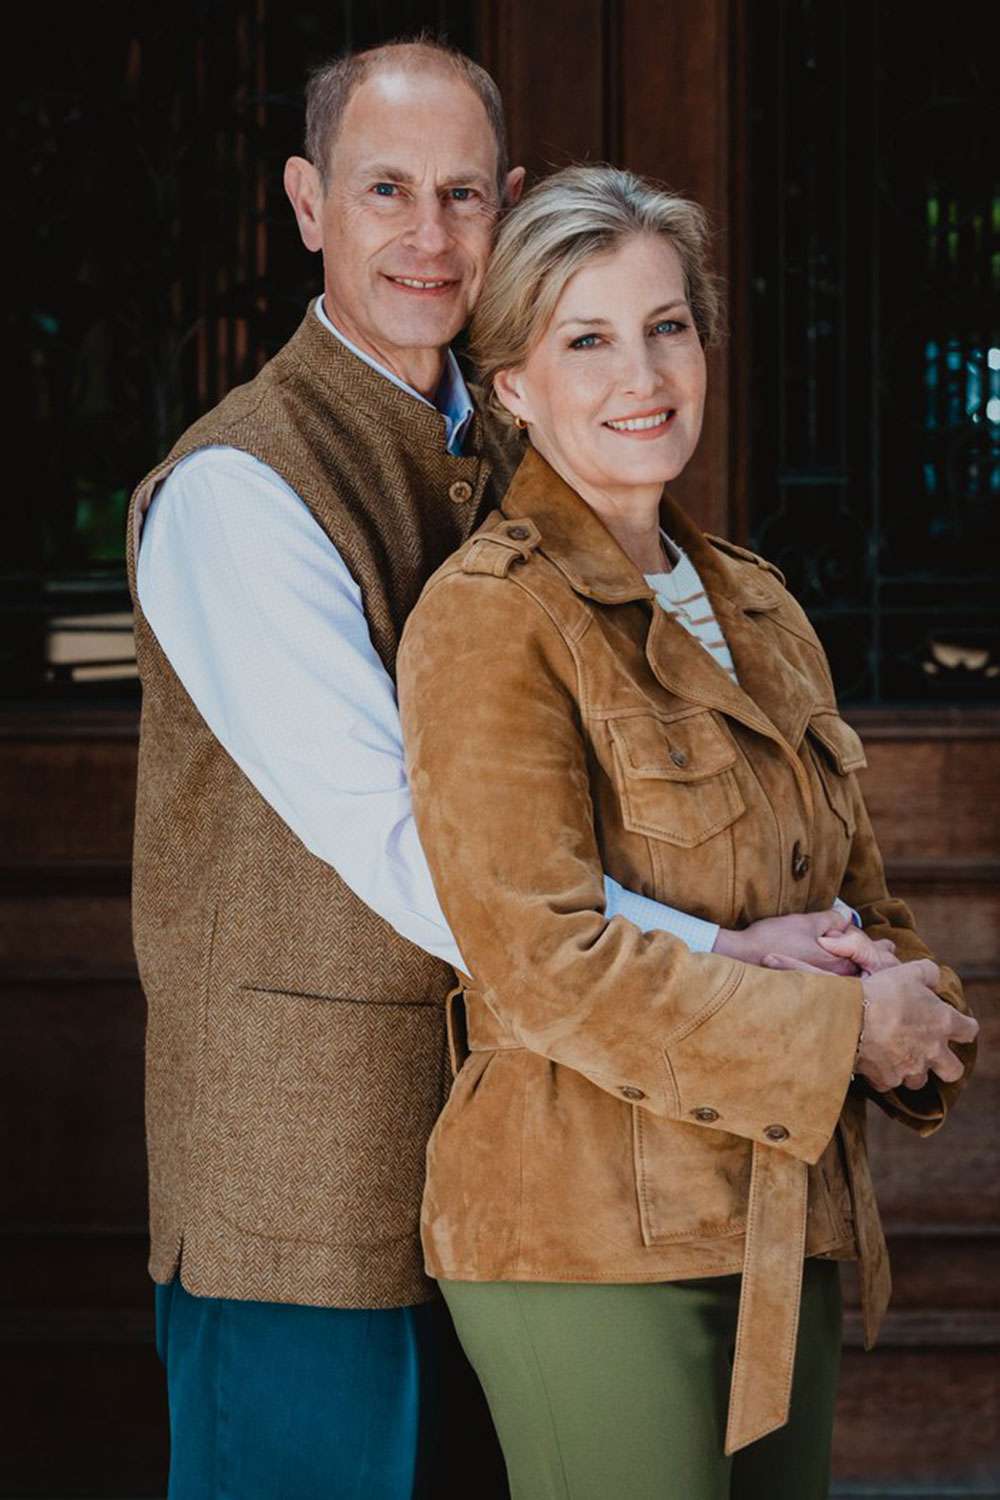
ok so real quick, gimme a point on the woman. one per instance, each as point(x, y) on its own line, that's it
point(651, 1159)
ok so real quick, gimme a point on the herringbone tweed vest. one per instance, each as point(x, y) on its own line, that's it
point(295, 1043)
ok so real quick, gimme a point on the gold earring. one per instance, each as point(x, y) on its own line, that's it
point(520, 423)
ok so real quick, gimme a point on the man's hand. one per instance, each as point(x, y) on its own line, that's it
point(798, 936)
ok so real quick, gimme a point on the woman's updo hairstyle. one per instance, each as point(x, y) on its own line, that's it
point(563, 222)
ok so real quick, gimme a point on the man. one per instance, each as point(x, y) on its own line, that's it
point(291, 947)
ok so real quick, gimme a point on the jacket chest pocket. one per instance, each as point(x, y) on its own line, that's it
point(676, 779)
point(837, 754)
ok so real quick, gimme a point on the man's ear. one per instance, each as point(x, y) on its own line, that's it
point(305, 193)
point(508, 387)
point(514, 186)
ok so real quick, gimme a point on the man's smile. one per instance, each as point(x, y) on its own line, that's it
point(422, 286)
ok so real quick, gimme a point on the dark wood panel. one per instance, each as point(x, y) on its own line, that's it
point(64, 1271)
point(935, 1267)
point(69, 799)
point(71, 1077)
point(85, 934)
point(935, 798)
point(664, 112)
point(918, 1416)
point(83, 1420)
point(550, 65)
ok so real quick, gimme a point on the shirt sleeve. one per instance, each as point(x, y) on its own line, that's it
point(264, 624)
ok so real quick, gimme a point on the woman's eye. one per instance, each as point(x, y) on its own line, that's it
point(585, 341)
point(669, 325)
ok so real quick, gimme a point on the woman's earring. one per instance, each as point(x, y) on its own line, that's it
point(520, 423)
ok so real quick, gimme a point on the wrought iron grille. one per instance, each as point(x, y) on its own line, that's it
point(157, 264)
point(875, 385)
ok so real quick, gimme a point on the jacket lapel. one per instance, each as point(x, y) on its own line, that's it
point(773, 697)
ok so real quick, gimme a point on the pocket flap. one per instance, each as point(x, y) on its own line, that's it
point(839, 740)
point(688, 749)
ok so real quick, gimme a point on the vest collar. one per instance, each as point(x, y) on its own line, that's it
point(354, 386)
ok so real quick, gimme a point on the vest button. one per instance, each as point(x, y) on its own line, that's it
point(518, 533)
point(776, 1132)
point(678, 757)
point(632, 1093)
point(801, 862)
point(706, 1114)
point(460, 491)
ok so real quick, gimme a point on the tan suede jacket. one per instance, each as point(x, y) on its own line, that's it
point(629, 1110)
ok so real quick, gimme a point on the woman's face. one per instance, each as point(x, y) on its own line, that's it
point(614, 390)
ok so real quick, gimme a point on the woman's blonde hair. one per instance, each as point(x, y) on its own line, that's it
point(562, 223)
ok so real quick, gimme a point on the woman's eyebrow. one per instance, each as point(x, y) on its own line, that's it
point(593, 322)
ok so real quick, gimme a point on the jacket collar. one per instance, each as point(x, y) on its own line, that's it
point(773, 695)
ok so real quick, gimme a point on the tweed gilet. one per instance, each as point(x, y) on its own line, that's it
point(295, 1057)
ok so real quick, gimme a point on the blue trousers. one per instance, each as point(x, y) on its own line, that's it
point(275, 1402)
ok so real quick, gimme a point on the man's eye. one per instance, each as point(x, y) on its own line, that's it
point(385, 189)
point(461, 194)
point(585, 341)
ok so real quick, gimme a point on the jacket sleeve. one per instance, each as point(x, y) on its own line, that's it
point(498, 769)
point(884, 916)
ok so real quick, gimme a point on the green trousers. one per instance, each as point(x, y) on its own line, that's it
point(606, 1392)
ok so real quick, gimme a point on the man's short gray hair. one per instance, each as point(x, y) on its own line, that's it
point(563, 222)
point(331, 85)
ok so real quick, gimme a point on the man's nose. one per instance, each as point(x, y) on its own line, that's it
point(429, 231)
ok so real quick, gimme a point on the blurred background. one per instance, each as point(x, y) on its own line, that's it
point(845, 155)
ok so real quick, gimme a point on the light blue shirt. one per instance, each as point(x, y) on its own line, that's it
point(263, 623)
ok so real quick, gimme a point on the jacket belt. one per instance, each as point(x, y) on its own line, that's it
point(771, 1291)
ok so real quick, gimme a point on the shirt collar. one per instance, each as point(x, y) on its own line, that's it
point(451, 398)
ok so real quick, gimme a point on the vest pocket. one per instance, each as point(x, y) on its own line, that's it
point(675, 778)
point(318, 1113)
point(692, 1183)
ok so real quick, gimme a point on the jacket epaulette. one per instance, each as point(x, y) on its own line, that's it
point(745, 555)
point(499, 543)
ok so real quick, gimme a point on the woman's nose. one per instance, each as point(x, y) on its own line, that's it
point(640, 375)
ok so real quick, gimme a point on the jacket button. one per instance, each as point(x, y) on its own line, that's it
point(706, 1114)
point(632, 1093)
point(776, 1132)
point(518, 533)
point(801, 862)
point(678, 757)
point(460, 491)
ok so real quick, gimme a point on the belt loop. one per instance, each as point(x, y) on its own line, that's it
point(458, 1042)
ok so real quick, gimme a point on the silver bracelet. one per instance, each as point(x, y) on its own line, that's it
point(861, 1034)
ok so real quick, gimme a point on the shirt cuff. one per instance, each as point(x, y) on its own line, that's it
point(847, 911)
point(651, 916)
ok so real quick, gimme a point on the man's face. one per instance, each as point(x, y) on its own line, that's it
point(406, 224)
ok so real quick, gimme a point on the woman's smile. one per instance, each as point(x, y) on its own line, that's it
point(643, 425)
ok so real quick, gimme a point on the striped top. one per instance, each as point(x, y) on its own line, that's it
point(681, 594)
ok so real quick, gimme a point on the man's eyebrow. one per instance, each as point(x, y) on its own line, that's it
point(383, 172)
point(597, 322)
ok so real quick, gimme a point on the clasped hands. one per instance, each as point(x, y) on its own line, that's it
point(907, 1027)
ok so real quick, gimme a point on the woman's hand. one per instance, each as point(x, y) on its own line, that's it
point(907, 1027)
point(824, 940)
